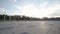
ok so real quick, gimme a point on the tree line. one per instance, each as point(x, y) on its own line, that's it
point(17, 17)
point(51, 19)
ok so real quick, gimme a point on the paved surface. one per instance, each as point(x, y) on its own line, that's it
point(30, 27)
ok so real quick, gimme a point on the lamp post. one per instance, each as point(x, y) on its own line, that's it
point(4, 17)
point(9, 18)
point(4, 14)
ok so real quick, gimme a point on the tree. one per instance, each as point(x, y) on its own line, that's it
point(23, 17)
point(27, 18)
point(44, 18)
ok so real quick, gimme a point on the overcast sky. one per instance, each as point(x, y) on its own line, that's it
point(33, 8)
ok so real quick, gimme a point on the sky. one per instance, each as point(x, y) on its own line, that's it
point(31, 8)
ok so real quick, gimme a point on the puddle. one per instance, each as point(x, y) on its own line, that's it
point(59, 28)
point(31, 26)
point(24, 33)
point(6, 28)
point(13, 32)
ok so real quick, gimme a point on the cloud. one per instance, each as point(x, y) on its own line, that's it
point(5, 11)
point(48, 10)
point(27, 9)
point(13, 1)
point(55, 10)
point(56, 13)
point(2, 11)
point(30, 9)
point(43, 11)
point(44, 4)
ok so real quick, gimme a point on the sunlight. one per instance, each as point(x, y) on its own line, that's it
point(43, 27)
point(32, 10)
point(43, 24)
